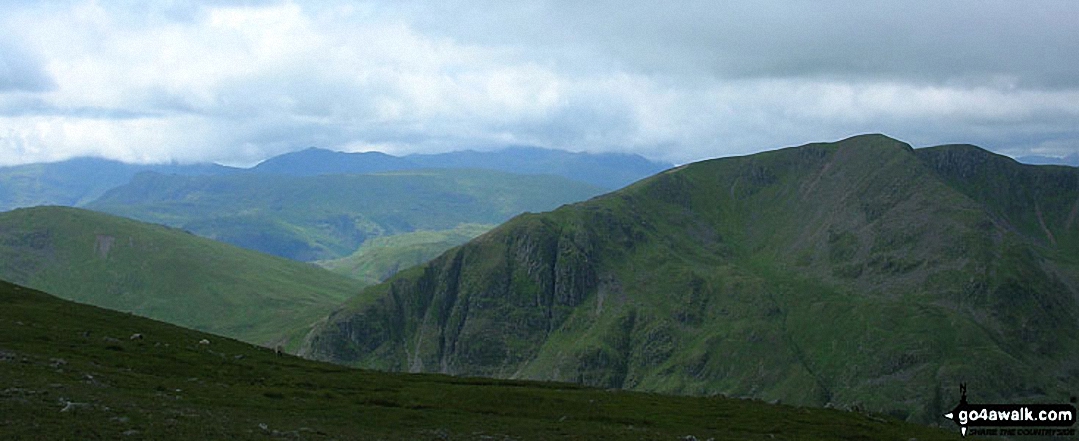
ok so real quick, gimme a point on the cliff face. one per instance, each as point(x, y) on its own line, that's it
point(860, 272)
point(481, 309)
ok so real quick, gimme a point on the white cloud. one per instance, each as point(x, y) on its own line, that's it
point(237, 82)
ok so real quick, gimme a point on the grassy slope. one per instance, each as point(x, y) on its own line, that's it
point(850, 273)
point(167, 386)
point(330, 216)
point(379, 258)
point(166, 274)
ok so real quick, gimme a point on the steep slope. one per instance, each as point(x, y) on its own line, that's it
point(857, 273)
point(1039, 202)
point(71, 371)
point(77, 181)
point(166, 274)
point(379, 258)
point(329, 216)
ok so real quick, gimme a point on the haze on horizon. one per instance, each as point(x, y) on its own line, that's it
point(236, 82)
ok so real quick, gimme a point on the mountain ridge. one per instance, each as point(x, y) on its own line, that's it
point(770, 276)
point(314, 161)
point(78, 181)
point(607, 170)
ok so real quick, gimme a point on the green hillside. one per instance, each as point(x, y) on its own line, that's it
point(166, 274)
point(379, 258)
point(324, 217)
point(71, 371)
point(856, 273)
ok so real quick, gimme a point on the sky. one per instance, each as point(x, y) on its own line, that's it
point(235, 82)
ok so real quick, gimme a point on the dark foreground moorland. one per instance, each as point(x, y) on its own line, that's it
point(72, 371)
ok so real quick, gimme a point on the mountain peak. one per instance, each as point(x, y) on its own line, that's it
point(857, 271)
point(874, 140)
point(314, 161)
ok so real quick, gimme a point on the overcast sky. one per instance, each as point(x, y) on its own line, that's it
point(237, 81)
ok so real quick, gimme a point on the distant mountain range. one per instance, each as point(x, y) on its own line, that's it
point(313, 205)
point(329, 216)
point(857, 273)
point(1070, 160)
point(166, 274)
point(609, 171)
point(76, 182)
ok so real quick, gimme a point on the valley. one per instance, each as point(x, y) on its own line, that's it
point(380, 258)
point(308, 218)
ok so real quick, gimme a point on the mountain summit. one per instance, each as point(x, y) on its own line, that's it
point(855, 273)
point(315, 161)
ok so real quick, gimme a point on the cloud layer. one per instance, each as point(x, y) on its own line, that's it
point(236, 82)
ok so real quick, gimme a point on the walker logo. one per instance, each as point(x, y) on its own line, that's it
point(1035, 419)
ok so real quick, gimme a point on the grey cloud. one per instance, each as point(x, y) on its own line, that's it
point(21, 71)
point(957, 41)
point(685, 82)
